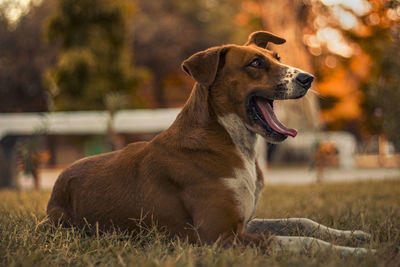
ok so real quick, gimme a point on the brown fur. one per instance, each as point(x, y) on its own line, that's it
point(176, 179)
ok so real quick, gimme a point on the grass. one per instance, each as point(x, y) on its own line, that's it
point(27, 240)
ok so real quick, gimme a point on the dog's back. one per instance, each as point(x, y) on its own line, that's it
point(92, 179)
point(95, 188)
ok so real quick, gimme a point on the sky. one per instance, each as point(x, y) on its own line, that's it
point(14, 9)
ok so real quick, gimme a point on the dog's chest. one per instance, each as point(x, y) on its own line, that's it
point(243, 184)
point(244, 189)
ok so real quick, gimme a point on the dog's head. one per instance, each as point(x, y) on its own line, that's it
point(245, 80)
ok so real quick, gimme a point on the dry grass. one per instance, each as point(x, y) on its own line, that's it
point(27, 240)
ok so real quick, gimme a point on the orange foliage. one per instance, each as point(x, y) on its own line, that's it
point(343, 84)
point(249, 8)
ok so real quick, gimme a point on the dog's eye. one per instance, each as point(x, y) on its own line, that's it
point(277, 57)
point(256, 63)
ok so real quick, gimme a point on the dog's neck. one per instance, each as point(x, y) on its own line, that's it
point(244, 139)
point(199, 127)
point(196, 111)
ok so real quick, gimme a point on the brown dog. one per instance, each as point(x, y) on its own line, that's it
point(199, 178)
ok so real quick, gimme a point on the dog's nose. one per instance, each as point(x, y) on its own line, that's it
point(305, 80)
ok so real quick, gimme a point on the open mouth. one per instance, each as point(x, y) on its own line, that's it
point(261, 111)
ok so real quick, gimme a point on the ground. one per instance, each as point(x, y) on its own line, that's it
point(373, 206)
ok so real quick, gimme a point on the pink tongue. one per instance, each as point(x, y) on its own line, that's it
point(272, 121)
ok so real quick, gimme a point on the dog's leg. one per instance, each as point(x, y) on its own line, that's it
point(302, 226)
point(301, 245)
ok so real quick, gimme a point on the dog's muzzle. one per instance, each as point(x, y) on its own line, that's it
point(260, 109)
point(304, 80)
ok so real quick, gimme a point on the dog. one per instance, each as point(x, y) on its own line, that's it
point(199, 179)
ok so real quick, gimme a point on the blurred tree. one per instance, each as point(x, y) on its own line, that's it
point(180, 29)
point(23, 59)
point(95, 57)
point(356, 44)
point(29, 160)
point(302, 113)
point(382, 88)
point(113, 101)
point(340, 64)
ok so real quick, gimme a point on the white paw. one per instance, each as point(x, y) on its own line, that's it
point(361, 235)
point(359, 252)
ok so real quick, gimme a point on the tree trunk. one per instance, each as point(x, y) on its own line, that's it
point(8, 162)
point(287, 19)
point(36, 178)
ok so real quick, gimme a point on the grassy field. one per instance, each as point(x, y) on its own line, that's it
point(27, 240)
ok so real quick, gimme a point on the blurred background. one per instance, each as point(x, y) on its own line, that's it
point(82, 77)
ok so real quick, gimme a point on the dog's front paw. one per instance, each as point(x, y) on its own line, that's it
point(361, 236)
point(358, 252)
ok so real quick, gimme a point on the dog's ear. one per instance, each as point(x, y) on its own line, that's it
point(203, 66)
point(262, 38)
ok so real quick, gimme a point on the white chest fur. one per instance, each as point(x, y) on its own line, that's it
point(243, 184)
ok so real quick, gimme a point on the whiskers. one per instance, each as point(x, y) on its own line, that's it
point(316, 93)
